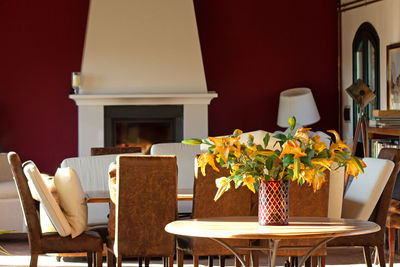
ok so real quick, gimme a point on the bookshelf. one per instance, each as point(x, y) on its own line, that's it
point(383, 131)
point(375, 134)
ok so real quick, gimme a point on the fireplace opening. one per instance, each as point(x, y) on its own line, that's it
point(142, 125)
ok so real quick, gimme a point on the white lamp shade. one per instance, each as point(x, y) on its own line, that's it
point(298, 102)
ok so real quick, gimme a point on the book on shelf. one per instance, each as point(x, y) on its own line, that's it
point(378, 144)
point(384, 124)
point(385, 119)
point(386, 113)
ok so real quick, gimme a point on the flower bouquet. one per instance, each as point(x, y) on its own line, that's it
point(297, 157)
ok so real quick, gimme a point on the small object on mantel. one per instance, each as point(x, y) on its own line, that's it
point(386, 113)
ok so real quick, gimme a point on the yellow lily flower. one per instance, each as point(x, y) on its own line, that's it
point(319, 146)
point(291, 147)
point(204, 159)
point(354, 167)
point(303, 135)
point(223, 185)
point(326, 163)
point(223, 145)
point(318, 180)
point(249, 182)
point(338, 145)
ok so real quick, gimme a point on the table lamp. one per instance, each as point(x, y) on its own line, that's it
point(298, 102)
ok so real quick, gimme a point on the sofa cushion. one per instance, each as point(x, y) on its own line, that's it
point(72, 199)
point(8, 190)
point(50, 205)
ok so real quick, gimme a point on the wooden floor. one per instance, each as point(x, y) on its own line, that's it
point(19, 250)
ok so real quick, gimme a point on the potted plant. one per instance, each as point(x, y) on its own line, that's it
point(297, 157)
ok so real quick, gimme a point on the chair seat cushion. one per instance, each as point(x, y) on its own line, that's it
point(8, 190)
point(87, 241)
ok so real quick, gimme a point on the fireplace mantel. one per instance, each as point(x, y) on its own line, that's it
point(143, 99)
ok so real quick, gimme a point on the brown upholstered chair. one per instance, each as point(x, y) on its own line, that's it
point(304, 202)
point(378, 215)
point(89, 242)
point(235, 202)
point(146, 202)
point(392, 224)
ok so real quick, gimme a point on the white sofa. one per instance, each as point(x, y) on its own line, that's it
point(11, 217)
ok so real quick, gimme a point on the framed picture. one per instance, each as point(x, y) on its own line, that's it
point(393, 75)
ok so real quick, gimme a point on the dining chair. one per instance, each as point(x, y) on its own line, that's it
point(96, 151)
point(379, 211)
point(304, 202)
point(239, 202)
point(146, 201)
point(41, 243)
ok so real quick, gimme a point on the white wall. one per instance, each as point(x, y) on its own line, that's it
point(385, 17)
point(142, 46)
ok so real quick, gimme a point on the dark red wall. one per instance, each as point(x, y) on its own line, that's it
point(252, 50)
point(41, 43)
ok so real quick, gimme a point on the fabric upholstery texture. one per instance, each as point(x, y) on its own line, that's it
point(239, 202)
point(185, 155)
point(50, 205)
point(72, 199)
point(363, 193)
point(89, 242)
point(304, 202)
point(146, 202)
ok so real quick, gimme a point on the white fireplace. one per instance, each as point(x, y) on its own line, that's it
point(91, 114)
point(142, 53)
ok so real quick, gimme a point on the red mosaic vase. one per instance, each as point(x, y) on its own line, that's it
point(273, 203)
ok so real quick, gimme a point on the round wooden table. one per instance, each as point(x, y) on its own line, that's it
point(248, 228)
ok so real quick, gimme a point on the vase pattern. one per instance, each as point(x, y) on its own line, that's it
point(273, 203)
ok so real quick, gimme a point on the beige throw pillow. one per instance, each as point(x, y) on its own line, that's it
point(50, 206)
point(72, 199)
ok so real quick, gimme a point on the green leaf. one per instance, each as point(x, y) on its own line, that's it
point(287, 160)
point(206, 141)
point(266, 139)
point(280, 137)
point(192, 141)
point(269, 163)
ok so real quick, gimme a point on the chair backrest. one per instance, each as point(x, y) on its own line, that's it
point(304, 202)
point(92, 170)
point(185, 155)
point(146, 202)
point(96, 151)
point(380, 211)
point(30, 207)
point(234, 202)
point(380, 206)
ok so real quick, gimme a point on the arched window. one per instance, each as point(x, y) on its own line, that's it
point(366, 65)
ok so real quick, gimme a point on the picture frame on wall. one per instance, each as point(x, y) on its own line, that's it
point(393, 75)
